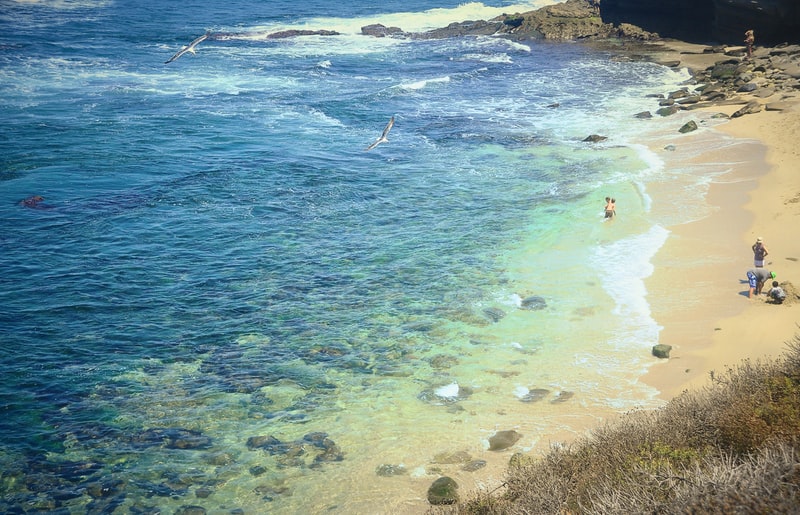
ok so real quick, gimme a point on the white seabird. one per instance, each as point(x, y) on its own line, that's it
point(382, 139)
point(188, 48)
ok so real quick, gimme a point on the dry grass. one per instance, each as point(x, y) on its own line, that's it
point(732, 447)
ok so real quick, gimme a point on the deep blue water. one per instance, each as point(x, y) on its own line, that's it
point(216, 224)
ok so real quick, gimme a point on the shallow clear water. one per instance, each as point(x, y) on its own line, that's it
point(217, 257)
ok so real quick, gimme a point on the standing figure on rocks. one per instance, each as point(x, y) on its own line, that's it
point(749, 39)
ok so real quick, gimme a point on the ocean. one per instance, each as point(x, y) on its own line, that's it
point(223, 301)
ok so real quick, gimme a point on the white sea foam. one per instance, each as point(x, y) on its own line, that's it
point(351, 39)
point(65, 4)
point(521, 391)
point(427, 20)
point(449, 391)
point(623, 266)
point(423, 83)
point(489, 58)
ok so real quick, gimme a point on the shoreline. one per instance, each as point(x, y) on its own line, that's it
point(698, 290)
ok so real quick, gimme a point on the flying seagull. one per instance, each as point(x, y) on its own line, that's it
point(189, 48)
point(382, 139)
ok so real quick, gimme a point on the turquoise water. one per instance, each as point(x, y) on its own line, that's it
point(217, 258)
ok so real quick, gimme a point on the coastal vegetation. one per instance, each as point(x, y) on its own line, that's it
point(730, 447)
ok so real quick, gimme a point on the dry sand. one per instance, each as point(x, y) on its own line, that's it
point(698, 291)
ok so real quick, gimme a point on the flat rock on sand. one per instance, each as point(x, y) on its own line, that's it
point(503, 440)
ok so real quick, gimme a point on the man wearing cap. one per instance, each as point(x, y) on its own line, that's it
point(757, 277)
point(759, 252)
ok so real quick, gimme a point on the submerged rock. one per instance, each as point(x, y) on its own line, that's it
point(387, 470)
point(449, 458)
point(494, 314)
point(563, 396)
point(190, 510)
point(443, 491)
point(443, 361)
point(532, 394)
point(473, 465)
point(173, 438)
point(534, 302)
point(503, 440)
point(293, 454)
point(595, 138)
point(257, 470)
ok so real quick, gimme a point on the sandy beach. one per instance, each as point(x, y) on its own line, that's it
point(698, 291)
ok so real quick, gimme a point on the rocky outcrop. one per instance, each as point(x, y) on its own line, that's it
point(379, 30)
point(768, 77)
point(706, 21)
point(567, 21)
point(295, 33)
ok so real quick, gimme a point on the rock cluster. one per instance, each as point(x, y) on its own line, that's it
point(294, 454)
point(761, 82)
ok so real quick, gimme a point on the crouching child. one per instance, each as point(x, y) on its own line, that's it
point(776, 293)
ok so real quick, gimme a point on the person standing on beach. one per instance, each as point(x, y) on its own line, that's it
point(757, 277)
point(749, 39)
point(759, 252)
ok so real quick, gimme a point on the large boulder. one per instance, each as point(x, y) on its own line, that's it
point(749, 108)
point(564, 21)
point(661, 350)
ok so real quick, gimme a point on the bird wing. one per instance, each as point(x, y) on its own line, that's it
point(188, 48)
point(388, 128)
point(382, 139)
point(198, 40)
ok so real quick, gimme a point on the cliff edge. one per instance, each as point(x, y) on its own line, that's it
point(708, 21)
